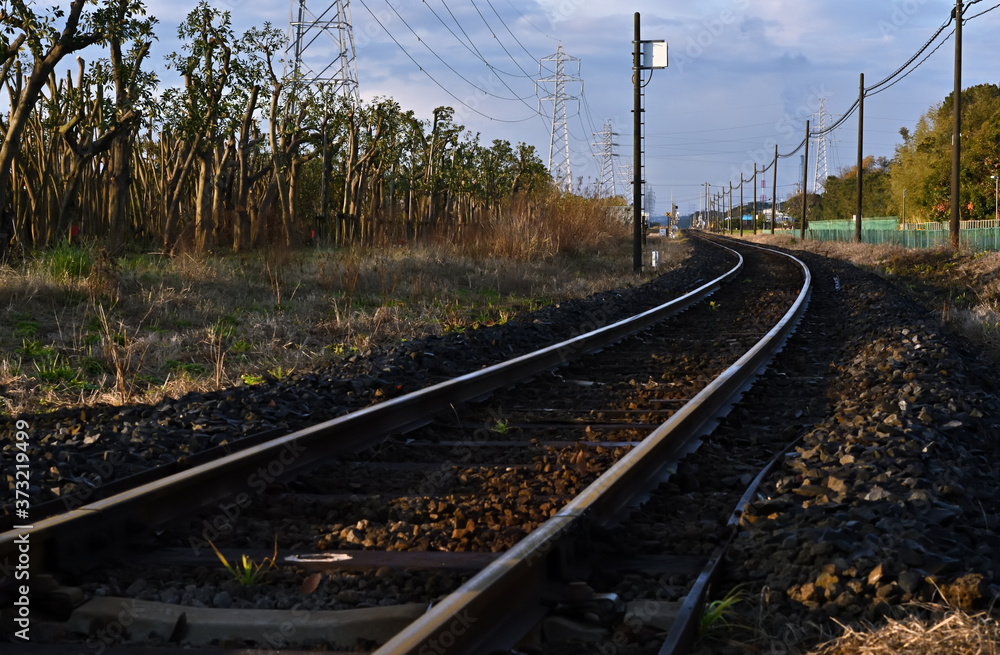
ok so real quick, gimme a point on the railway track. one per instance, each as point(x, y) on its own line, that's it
point(432, 498)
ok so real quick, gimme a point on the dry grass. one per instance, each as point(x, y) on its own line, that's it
point(963, 288)
point(78, 328)
point(946, 630)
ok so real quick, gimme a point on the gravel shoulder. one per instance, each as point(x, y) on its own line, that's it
point(888, 503)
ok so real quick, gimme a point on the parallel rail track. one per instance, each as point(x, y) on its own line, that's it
point(76, 539)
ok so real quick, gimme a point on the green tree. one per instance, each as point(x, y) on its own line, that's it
point(922, 163)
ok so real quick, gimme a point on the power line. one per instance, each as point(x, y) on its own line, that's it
point(468, 43)
point(433, 79)
point(516, 40)
point(895, 82)
point(450, 67)
point(499, 42)
point(911, 59)
point(529, 22)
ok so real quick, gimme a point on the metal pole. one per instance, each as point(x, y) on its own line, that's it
point(637, 151)
point(956, 144)
point(754, 218)
point(730, 206)
point(805, 179)
point(861, 167)
point(741, 203)
point(774, 188)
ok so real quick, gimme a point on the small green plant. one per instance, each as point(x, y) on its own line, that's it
point(193, 369)
point(241, 346)
point(56, 369)
point(246, 571)
point(26, 328)
point(501, 426)
point(279, 373)
point(716, 612)
point(250, 378)
point(33, 348)
point(714, 306)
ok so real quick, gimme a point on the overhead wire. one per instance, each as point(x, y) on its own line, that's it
point(439, 84)
point(497, 39)
point(452, 68)
point(468, 43)
point(529, 22)
point(513, 36)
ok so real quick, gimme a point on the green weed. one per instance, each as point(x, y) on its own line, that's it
point(246, 571)
point(716, 612)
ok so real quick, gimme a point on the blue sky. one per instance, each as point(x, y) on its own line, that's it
point(743, 74)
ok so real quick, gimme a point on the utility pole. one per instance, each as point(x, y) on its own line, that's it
point(805, 178)
point(730, 205)
point(559, 166)
point(706, 203)
point(741, 203)
point(861, 156)
point(956, 144)
point(754, 219)
point(774, 188)
point(637, 150)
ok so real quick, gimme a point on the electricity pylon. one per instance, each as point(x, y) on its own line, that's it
point(320, 46)
point(821, 167)
point(606, 182)
point(559, 157)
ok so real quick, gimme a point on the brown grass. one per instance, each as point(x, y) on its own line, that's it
point(79, 328)
point(962, 288)
point(947, 630)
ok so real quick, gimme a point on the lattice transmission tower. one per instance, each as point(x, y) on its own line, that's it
point(606, 185)
point(821, 167)
point(559, 157)
point(320, 46)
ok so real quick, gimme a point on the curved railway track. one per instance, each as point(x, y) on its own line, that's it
point(492, 511)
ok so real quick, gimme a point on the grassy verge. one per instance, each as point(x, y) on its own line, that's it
point(962, 287)
point(77, 327)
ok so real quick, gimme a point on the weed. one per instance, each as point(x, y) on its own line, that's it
point(246, 571)
point(249, 378)
point(279, 373)
point(716, 612)
point(33, 348)
point(241, 346)
point(26, 329)
point(55, 370)
point(714, 306)
point(501, 426)
point(66, 261)
point(120, 349)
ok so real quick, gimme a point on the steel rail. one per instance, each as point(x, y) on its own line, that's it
point(481, 615)
point(75, 540)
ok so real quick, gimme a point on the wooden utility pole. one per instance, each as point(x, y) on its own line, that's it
point(774, 188)
point(956, 143)
point(861, 163)
point(805, 180)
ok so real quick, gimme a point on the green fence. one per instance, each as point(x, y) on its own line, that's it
point(876, 223)
point(975, 240)
point(878, 231)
